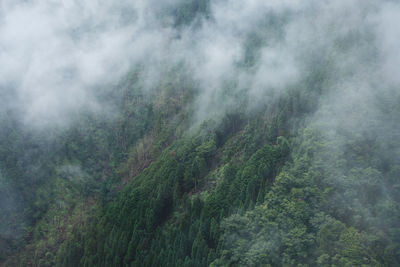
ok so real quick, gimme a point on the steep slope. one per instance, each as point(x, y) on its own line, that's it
point(201, 133)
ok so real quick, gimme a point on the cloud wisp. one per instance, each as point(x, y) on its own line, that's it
point(55, 57)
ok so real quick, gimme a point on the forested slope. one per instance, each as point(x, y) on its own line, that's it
point(206, 133)
point(246, 190)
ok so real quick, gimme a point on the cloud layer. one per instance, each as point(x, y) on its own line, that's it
point(55, 56)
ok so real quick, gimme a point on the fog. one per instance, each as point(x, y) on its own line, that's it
point(56, 56)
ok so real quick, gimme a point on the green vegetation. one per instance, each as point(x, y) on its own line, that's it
point(151, 182)
point(243, 190)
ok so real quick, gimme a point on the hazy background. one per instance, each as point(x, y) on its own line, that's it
point(55, 56)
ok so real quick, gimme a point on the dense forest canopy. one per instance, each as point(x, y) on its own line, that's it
point(199, 133)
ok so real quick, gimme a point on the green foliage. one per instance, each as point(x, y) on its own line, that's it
point(246, 189)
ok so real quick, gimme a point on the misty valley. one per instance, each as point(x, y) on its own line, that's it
point(199, 133)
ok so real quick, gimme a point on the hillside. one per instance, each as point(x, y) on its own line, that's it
point(201, 133)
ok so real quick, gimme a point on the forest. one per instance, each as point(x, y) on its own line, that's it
point(199, 133)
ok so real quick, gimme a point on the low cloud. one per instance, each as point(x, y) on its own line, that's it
point(55, 57)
